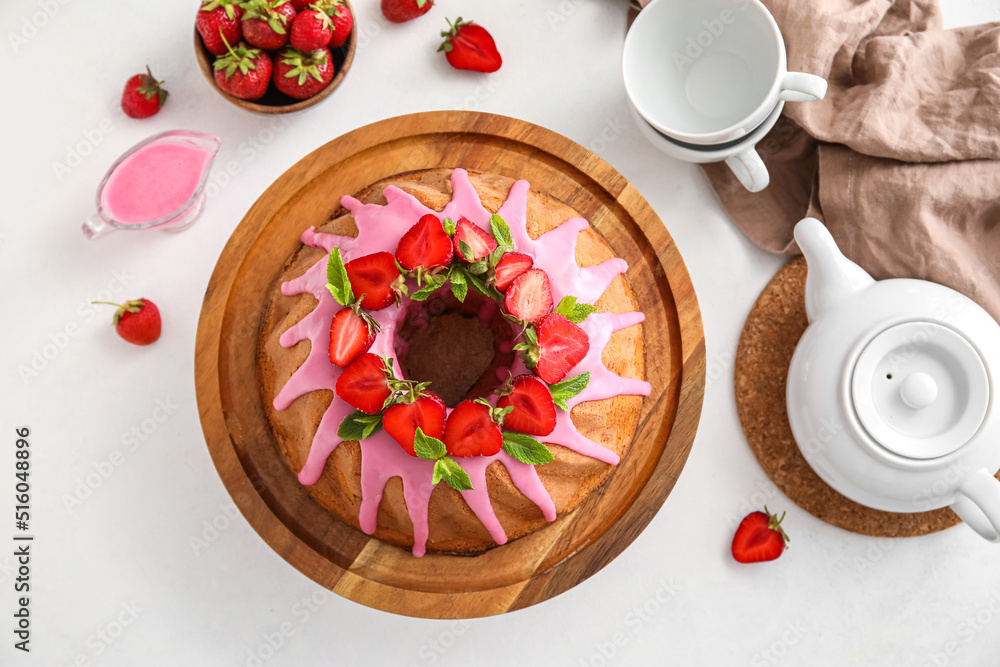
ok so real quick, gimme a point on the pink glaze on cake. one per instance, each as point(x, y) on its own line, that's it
point(156, 181)
point(380, 228)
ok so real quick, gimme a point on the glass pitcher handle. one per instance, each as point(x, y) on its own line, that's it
point(95, 227)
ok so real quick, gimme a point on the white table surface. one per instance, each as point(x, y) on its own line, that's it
point(117, 578)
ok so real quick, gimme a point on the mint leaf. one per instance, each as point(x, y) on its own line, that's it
point(477, 284)
point(452, 474)
point(500, 229)
point(449, 224)
point(425, 292)
point(567, 389)
point(358, 426)
point(573, 311)
point(526, 449)
point(427, 447)
point(478, 268)
point(459, 286)
point(336, 278)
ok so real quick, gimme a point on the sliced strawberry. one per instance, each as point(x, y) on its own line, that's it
point(425, 244)
point(481, 243)
point(760, 537)
point(373, 275)
point(364, 384)
point(402, 420)
point(534, 411)
point(350, 337)
point(529, 297)
point(510, 266)
point(561, 346)
point(471, 431)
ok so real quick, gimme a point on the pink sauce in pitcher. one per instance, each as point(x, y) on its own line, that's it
point(156, 181)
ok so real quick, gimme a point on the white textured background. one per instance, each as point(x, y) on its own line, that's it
point(674, 597)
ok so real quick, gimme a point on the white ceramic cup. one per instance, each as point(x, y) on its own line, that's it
point(740, 156)
point(710, 71)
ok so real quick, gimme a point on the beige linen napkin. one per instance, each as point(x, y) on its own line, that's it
point(902, 157)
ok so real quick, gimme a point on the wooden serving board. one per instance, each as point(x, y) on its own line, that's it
point(527, 570)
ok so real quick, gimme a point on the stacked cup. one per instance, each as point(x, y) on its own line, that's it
point(707, 79)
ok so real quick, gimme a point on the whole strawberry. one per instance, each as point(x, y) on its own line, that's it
point(243, 72)
point(301, 75)
point(266, 22)
point(299, 5)
point(342, 19)
point(469, 46)
point(759, 538)
point(401, 11)
point(311, 30)
point(138, 321)
point(143, 96)
point(217, 19)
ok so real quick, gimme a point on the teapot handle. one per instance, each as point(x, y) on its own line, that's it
point(978, 504)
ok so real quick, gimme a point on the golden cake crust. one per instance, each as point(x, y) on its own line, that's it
point(569, 479)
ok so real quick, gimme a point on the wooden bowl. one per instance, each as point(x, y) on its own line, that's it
point(274, 101)
point(524, 571)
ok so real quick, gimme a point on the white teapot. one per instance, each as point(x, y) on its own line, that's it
point(890, 390)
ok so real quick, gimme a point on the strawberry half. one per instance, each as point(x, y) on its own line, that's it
point(759, 538)
point(469, 46)
point(471, 431)
point(425, 244)
point(561, 346)
point(351, 335)
point(401, 420)
point(374, 276)
point(510, 266)
point(533, 412)
point(479, 241)
point(364, 384)
point(529, 297)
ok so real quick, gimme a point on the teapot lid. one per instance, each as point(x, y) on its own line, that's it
point(920, 389)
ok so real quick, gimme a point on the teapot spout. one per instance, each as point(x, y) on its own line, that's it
point(832, 278)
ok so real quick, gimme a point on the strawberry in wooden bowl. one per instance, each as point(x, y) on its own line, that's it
point(317, 42)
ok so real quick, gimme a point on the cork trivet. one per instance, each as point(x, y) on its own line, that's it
point(772, 330)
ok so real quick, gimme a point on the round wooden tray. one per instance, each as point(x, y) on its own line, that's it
point(527, 570)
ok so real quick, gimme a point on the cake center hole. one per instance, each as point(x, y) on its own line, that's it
point(457, 347)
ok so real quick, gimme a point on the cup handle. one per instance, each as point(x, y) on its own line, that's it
point(802, 87)
point(978, 504)
point(95, 227)
point(749, 168)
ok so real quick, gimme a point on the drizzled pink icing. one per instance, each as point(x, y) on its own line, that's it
point(380, 228)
